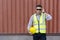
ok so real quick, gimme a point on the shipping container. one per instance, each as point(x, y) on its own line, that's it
point(15, 15)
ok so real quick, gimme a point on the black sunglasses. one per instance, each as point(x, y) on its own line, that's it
point(38, 9)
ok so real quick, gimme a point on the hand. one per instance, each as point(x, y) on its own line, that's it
point(43, 10)
point(30, 33)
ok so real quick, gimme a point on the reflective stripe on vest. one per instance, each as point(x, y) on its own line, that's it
point(42, 24)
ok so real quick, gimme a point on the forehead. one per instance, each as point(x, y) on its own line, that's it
point(38, 8)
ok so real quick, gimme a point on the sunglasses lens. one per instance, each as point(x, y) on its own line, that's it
point(39, 9)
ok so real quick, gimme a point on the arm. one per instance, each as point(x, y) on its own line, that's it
point(30, 22)
point(48, 16)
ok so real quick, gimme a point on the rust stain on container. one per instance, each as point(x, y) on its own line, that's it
point(15, 14)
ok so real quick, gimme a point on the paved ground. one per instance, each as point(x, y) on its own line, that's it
point(24, 37)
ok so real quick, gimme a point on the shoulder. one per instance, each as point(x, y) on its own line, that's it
point(32, 16)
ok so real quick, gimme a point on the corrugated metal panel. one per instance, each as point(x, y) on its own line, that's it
point(1, 16)
point(15, 14)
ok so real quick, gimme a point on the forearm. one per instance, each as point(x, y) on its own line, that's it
point(48, 16)
point(30, 22)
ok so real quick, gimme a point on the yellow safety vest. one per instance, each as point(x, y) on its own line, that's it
point(42, 23)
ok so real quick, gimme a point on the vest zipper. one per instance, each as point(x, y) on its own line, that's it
point(38, 27)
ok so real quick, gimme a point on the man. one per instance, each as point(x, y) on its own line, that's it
point(38, 20)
